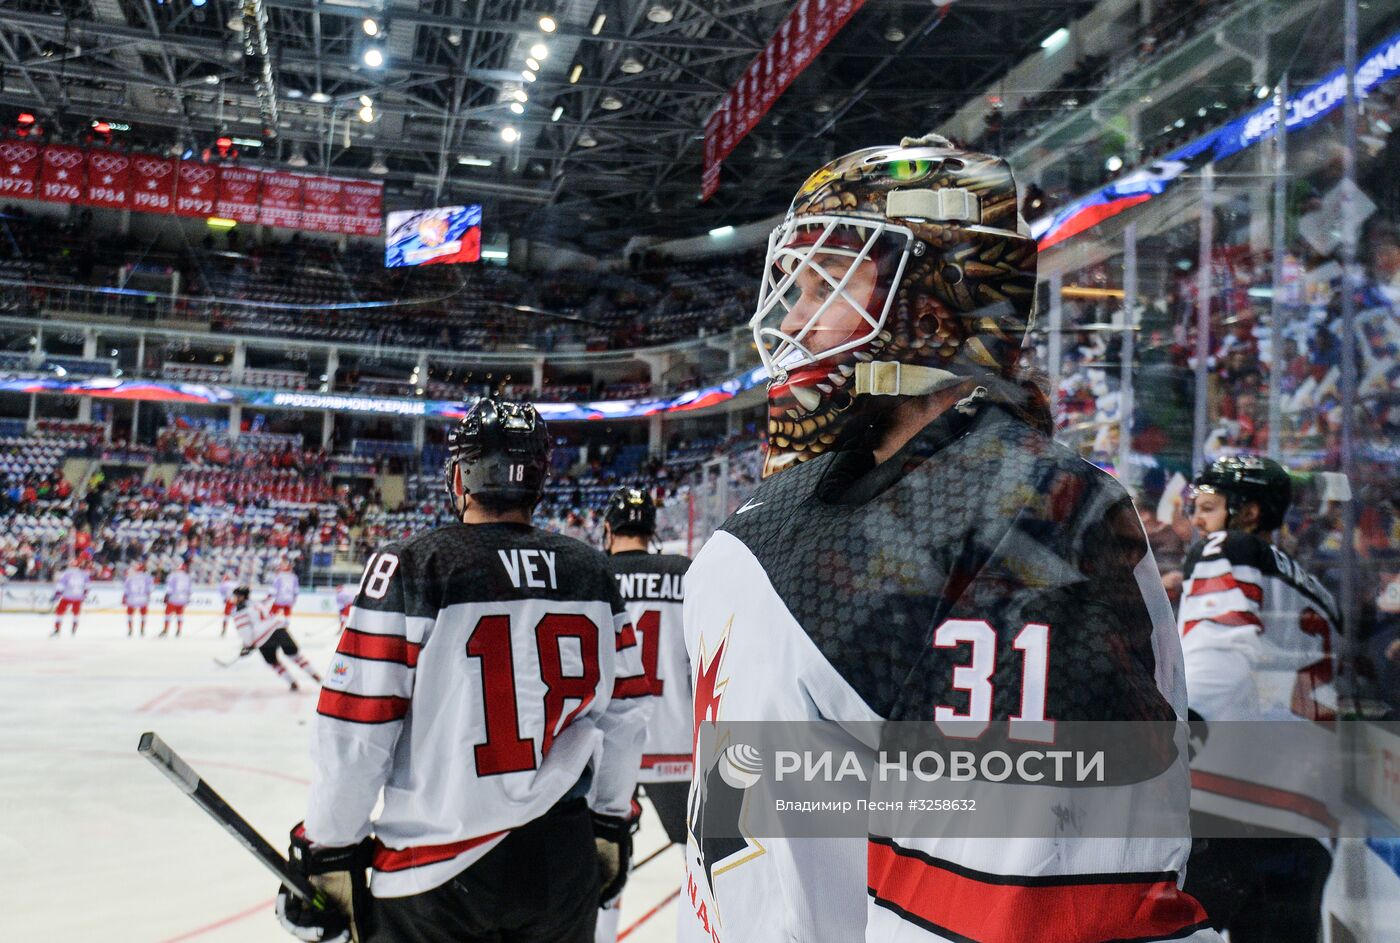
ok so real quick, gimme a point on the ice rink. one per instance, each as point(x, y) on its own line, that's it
point(97, 845)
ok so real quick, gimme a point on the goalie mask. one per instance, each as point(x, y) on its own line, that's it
point(501, 451)
point(899, 271)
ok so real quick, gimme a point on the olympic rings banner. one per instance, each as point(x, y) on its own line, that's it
point(61, 173)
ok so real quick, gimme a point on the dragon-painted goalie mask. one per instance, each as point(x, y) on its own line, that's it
point(899, 271)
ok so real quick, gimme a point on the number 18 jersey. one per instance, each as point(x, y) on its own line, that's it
point(482, 671)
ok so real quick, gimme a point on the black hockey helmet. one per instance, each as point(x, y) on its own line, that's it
point(630, 511)
point(1245, 478)
point(241, 592)
point(502, 451)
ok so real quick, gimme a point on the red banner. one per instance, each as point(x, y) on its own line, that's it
point(108, 180)
point(797, 41)
point(197, 189)
point(320, 204)
point(362, 208)
point(61, 176)
point(152, 184)
point(281, 200)
point(238, 194)
point(19, 169)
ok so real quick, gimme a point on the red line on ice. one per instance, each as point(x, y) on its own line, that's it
point(234, 918)
point(155, 700)
point(638, 922)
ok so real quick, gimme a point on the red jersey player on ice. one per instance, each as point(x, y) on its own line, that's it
point(136, 595)
point(480, 688)
point(226, 587)
point(285, 589)
point(178, 588)
point(260, 629)
point(70, 590)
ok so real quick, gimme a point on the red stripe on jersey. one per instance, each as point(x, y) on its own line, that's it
point(636, 686)
point(373, 647)
point(650, 760)
point(1259, 794)
point(401, 859)
point(963, 904)
point(1227, 618)
point(361, 709)
point(1226, 582)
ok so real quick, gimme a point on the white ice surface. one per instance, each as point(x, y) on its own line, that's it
point(96, 845)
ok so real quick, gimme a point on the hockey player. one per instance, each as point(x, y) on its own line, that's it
point(1256, 630)
point(178, 589)
point(69, 591)
point(226, 587)
point(653, 588)
point(921, 550)
point(481, 685)
point(136, 595)
point(285, 589)
point(344, 599)
point(260, 629)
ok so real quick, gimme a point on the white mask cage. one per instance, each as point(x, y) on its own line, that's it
point(782, 352)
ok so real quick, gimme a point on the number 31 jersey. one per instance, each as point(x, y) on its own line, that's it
point(653, 590)
point(983, 572)
point(483, 669)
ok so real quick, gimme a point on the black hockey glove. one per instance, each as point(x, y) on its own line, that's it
point(340, 875)
point(612, 835)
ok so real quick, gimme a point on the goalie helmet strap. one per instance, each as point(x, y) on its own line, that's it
point(892, 378)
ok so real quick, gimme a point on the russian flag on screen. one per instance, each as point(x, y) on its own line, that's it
point(441, 236)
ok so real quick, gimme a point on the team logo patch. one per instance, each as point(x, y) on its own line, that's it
point(340, 675)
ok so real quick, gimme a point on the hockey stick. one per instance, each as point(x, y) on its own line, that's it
point(234, 660)
point(654, 855)
point(189, 782)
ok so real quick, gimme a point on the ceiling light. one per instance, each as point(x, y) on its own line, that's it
point(547, 24)
point(575, 73)
point(198, 3)
point(295, 93)
point(720, 232)
point(587, 140)
point(517, 108)
point(894, 34)
point(509, 134)
point(367, 114)
point(467, 160)
point(598, 22)
point(371, 26)
point(822, 107)
point(1113, 164)
point(1055, 40)
point(211, 79)
point(631, 65)
point(610, 103)
point(377, 166)
point(298, 159)
point(235, 22)
point(374, 57)
point(527, 75)
point(520, 95)
point(220, 223)
point(660, 14)
point(366, 101)
point(539, 51)
point(495, 255)
point(1261, 93)
point(320, 97)
point(558, 113)
point(532, 64)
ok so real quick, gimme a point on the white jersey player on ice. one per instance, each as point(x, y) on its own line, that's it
point(652, 586)
point(1257, 631)
point(482, 686)
point(261, 630)
point(136, 595)
point(922, 554)
point(70, 589)
point(178, 589)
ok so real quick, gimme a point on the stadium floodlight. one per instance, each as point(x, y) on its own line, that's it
point(539, 51)
point(558, 113)
point(1055, 40)
point(532, 64)
point(521, 96)
point(367, 114)
point(198, 3)
point(509, 134)
point(598, 22)
point(632, 66)
point(467, 160)
point(1113, 164)
point(366, 101)
point(527, 75)
point(220, 223)
point(371, 26)
point(374, 57)
point(499, 255)
point(575, 73)
point(547, 24)
point(719, 232)
point(319, 97)
point(517, 108)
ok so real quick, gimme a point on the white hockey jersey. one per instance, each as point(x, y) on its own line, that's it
point(72, 584)
point(653, 590)
point(254, 624)
point(285, 587)
point(136, 588)
point(178, 588)
point(1257, 631)
point(856, 594)
point(482, 673)
point(344, 596)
